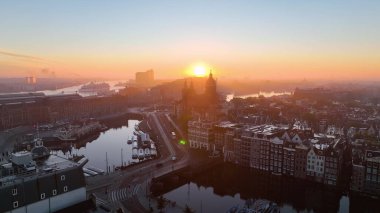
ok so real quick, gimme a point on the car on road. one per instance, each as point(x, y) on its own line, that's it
point(174, 158)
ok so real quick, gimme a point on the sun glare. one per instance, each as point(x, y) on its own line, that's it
point(199, 71)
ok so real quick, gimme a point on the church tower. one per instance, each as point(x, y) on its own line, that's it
point(210, 89)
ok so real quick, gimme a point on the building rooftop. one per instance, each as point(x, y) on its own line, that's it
point(267, 130)
point(226, 124)
point(321, 146)
point(52, 164)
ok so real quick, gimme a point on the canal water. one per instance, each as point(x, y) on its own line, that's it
point(112, 143)
point(75, 89)
point(225, 186)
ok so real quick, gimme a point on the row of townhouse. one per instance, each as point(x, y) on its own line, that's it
point(365, 168)
point(274, 149)
point(365, 151)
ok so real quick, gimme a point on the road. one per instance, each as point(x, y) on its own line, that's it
point(164, 136)
point(175, 126)
point(116, 188)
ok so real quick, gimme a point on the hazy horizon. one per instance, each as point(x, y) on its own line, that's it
point(246, 40)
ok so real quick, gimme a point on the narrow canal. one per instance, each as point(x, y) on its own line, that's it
point(226, 186)
point(110, 146)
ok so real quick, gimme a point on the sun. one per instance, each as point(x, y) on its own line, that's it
point(199, 71)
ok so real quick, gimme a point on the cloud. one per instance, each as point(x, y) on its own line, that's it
point(21, 56)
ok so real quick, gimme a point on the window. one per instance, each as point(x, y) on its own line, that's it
point(54, 192)
point(14, 192)
point(63, 177)
point(15, 204)
point(65, 188)
point(42, 196)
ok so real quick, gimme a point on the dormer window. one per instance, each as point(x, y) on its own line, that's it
point(65, 188)
point(63, 177)
point(15, 204)
point(42, 196)
point(14, 192)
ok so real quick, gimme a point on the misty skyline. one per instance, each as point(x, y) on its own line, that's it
point(237, 39)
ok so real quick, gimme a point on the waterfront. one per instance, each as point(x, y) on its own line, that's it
point(75, 89)
point(111, 142)
point(225, 186)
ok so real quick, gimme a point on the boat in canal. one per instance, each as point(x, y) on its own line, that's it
point(89, 172)
point(147, 152)
point(153, 152)
point(99, 88)
point(129, 141)
point(97, 170)
point(141, 154)
point(135, 145)
point(135, 154)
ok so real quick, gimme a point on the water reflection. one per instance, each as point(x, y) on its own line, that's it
point(113, 142)
point(75, 89)
point(226, 186)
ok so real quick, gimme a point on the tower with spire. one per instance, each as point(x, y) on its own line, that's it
point(210, 89)
point(193, 104)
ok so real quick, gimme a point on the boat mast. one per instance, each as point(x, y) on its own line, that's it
point(122, 157)
point(107, 163)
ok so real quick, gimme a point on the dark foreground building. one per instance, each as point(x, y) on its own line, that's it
point(35, 182)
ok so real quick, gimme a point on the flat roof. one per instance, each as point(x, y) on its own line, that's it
point(266, 129)
point(226, 124)
point(52, 164)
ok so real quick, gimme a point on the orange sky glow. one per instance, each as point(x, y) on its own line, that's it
point(237, 40)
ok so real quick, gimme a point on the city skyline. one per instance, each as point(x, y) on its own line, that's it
point(240, 39)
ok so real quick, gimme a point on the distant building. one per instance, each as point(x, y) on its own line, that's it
point(145, 78)
point(31, 80)
point(33, 108)
point(315, 93)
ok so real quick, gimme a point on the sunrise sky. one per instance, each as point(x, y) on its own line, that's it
point(324, 39)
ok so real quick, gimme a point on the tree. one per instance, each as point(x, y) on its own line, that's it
point(188, 209)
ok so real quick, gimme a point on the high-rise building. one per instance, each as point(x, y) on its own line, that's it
point(145, 78)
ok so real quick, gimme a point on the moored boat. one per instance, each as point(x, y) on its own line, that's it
point(134, 153)
point(141, 154)
point(147, 152)
point(129, 141)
